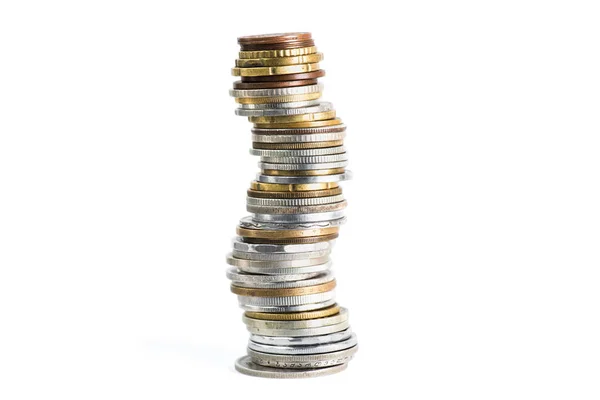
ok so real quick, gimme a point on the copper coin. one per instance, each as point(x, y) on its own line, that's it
point(303, 240)
point(274, 38)
point(272, 85)
point(264, 194)
point(277, 46)
point(288, 77)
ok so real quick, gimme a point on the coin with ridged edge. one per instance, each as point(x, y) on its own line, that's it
point(325, 312)
point(247, 367)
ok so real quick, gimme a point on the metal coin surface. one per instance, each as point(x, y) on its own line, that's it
point(245, 366)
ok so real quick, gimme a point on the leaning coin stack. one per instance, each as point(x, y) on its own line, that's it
point(280, 267)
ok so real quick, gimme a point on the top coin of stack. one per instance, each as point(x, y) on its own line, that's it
point(280, 262)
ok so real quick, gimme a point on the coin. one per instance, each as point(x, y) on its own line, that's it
point(278, 53)
point(287, 77)
point(278, 61)
point(278, 99)
point(295, 44)
point(295, 125)
point(270, 85)
point(325, 312)
point(270, 38)
point(282, 70)
point(310, 172)
point(245, 366)
point(297, 146)
point(315, 116)
point(299, 291)
point(294, 195)
point(303, 361)
point(300, 340)
point(277, 91)
point(307, 349)
point(337, 318)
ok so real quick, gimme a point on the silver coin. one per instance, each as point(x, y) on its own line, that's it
point(304, 179)
point(321, 330)
point(298, 152)
point(302, 340)
point(307, 262)
point(274, 92)
point(318, 279)
point(301, 324)
point(275, 112)
point(308, 138)
point(239, 244)
point(306, 159)
point(293, 104)
point(286, 270)
point(288, 309)
point(302, 202)
point(279, 256)
point(250, 280)
point(301, 131)
point(245, 366)
point(302, 361)
point(311, 349)
point(296, 218)
point(302, 167)
point(286, 300)
point(247, 222)
point(318, 208)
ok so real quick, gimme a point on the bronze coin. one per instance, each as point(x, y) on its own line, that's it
point(264, 194)
point(301, 240)
point(272, 85)
point(287, 77)
point(277, 46)
point(274, 38)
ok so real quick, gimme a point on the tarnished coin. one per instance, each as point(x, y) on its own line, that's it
point(279, 61)
point(278, 53)
point(301, 324)
point(307, 349)
point(304, 360)
point(247, 367)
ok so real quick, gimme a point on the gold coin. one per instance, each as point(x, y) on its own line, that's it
point(307, 124)
point(295, 316)
point(312, 172)
point(278, 53)
point(296, 146)
point(279, 61)
point(283, 70)
point(278, 99)
point(292, 187)
point(300, 291)
point(301, 240)
point(263, 194)
point(276, 234)
point(317, 116)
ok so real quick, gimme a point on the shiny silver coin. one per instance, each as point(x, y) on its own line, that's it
point(275, 112)
point(299, 152)
point(304, 179)
point(311, 349)
point(298, 131)
point(329, 158)
point(267, 106)
point(253, 280)
point(247, 222)
point(318, 208)
point(307, 262)
point(308, 138)
point(297, 218)
point(286, 300)
point(274, 92)
point(302, 167)
point(302, 360)
point(239, 244)
point(279, 256)
point(302, 340)
point(288, 309)
point(321, 330)
point(245, 366)
point(302, 202)
point(300, 324)
point(314, 280)
point(286, 271)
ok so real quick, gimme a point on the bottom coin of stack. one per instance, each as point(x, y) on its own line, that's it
point(288, 291)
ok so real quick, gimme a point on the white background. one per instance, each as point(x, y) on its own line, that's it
point(470, 259)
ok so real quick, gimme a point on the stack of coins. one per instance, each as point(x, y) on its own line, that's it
point(280, 267)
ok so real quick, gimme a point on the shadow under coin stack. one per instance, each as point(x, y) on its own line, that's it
point(281, 271)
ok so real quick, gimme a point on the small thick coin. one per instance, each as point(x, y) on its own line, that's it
point(278, 61)
point(240, 245)
point(279, 256)
point(287, 77)
point(245, 366)
point(304, 179)
point(286, 270)
point(320, 278)
point(298, 218)
point(287, 69)
point(324, 312)
point(320, 107)
point(268, 194)
point(306, 262)
point(283, 292)
point(296, 209)
point(278, 99)
point(299, 118)
point(321, 330)
point(302, 167)
point(259, 203)
point(295, 125)
point(295, 138)
point(298, 153)
point(288, 309)
point(271, 106)
point(278, 53)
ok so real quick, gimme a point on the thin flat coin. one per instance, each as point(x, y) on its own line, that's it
point(302, 361)
point(307, 349)
point(308, 117)
point(295, 44)
point(287, 292)
point(245, 366)
point(278, 53)
point(278, 99)
point(288, 77)
point(278, 61)
point(325, 312)
point(301, 340)
point(295, 125)
point(294, 195)
point(272, 85)
point(286, 69)
point(276, 92)
point(310, 172)
point(255, 185)
point(299, 324)
point(296, 146)
point(274, 38)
